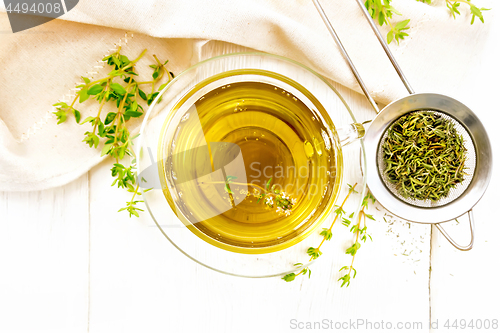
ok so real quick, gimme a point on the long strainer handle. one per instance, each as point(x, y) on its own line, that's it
point(386, 47)
point(348, 59)
point(345, 55)
point(460, 247)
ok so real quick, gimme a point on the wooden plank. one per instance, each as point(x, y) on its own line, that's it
point(44, 259)
point(464, 285)
point(139, 281)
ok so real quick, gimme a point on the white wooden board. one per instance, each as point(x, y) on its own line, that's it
point(44, 252)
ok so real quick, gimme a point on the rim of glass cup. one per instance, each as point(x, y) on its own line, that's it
point(316, 226)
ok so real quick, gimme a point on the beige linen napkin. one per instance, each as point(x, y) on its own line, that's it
point(41, 66)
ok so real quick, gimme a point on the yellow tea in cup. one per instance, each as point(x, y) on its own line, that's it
point(253, 163)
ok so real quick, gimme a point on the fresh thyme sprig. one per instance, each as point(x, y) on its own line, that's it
point(475, 11)
point(382, 12)
point(118, 87)
point(315, 252)
point(361, 235)
point(291, 276)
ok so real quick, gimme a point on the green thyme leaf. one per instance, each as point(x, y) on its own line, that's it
point(77, 115)
point(134, 114)
point(289, 277)
point(353, 249)
point(269, 183)
point(95, 89)
point(83, 95)
point(326, 233)
point(346, 280)
point(118, 88)
point(314, 252)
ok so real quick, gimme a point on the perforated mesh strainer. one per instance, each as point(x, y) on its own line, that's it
point(465, 195)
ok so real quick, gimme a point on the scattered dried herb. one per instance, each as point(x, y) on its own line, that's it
point(424, 156)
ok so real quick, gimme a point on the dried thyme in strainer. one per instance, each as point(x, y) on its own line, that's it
point(424, 156)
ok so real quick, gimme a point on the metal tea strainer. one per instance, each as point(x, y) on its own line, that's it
point(478, 166)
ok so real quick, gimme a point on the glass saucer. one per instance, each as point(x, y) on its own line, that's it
point(167, 207)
